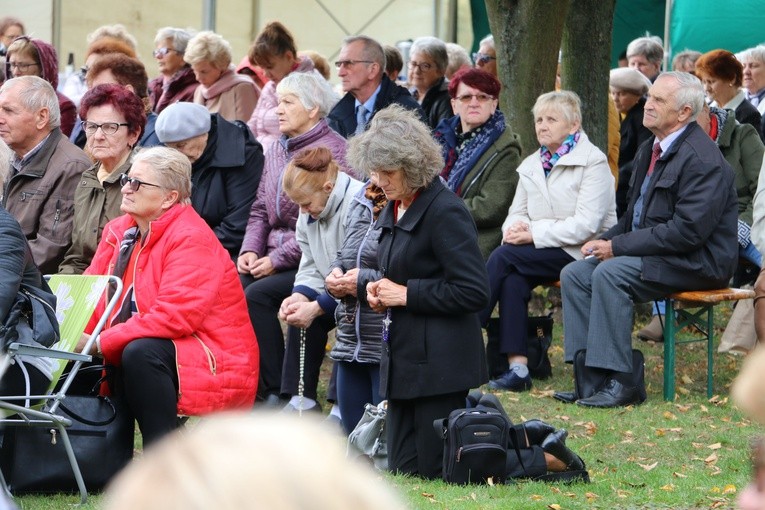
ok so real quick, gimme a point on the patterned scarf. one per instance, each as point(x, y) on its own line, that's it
point(717, 119)
point(378, 199)
point(462, 151)
point(549, 159)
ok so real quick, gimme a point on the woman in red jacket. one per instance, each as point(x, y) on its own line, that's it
point(180, 334)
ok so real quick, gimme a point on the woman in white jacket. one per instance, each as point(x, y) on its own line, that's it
point(565, 197)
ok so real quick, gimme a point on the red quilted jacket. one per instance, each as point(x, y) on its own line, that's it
point(186, 288)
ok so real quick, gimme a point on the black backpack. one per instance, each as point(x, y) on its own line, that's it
point(475, 445)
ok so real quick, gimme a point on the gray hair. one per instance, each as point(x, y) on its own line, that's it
point(488, 40)
point(397, 140)
point(690, 92)
point(116, 31)
point(311, 89)
point(434, 48)
point(5, 164)
point(211, 47)
point(178, 36)
point(685, 58)
point(36, 94)
point(458, 57)
point(564, 101)
point(372, 50)
point(172, 170)
point(757, 53)
point(650, 46)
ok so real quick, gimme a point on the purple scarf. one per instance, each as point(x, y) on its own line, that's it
point(549, 159)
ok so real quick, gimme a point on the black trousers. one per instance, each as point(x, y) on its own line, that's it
point(413, 446)
point(149, 382)
point(315, 348)
point(264, 297)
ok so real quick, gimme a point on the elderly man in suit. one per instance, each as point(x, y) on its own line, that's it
point(679, 233)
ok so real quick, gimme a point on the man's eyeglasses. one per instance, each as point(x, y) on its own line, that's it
point(107, 128)
point(422, 66)
point(135, 184)
point(162, 52)
point(482, 58)
point(467, 98)
point(350, 63)
point(22, 66)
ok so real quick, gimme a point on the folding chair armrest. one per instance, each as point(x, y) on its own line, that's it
point(43, 352)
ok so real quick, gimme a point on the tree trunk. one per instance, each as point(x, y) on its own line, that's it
point(586, 61)
point(527, 36)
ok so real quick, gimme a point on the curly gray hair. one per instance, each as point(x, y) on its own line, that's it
point(397, 140)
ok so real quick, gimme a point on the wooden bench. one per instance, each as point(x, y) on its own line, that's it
point(697, 310)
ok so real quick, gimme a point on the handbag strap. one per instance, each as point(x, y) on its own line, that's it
point(93, 423)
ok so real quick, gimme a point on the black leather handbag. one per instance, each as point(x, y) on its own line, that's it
point(538, 341)
point(33, 459)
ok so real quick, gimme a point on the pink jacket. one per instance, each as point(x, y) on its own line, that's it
point(263, 122)
point(186, 288)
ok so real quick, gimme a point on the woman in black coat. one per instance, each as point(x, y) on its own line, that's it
point(628, 88)
point(226, 166)
point(434, 283)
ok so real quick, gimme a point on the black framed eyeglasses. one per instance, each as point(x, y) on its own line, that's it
point(422, 66)
point(351, 63)
point(482, 58)
point(107, 128)
point(135, 184)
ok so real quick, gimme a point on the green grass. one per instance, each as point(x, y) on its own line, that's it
point(690, 453)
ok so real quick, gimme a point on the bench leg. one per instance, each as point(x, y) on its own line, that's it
point(669, 350)
point(710, 348)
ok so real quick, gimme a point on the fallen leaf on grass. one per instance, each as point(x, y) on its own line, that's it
point(490, 481)
point(711, 459)
point(648, 467)
point(536, 497)
point(703, 408)
point(684, 408)
point(729, 489)
point(669, 415)
point(686, 379)
point(679, 475)
point(429, 496)
point(682, 390)
point(669, 487)
point(718, 400)
point(590, 428)
point(554, 506)
point(715, 446)
point(591, 495)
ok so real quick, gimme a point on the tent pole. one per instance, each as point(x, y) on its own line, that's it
point(667, 40)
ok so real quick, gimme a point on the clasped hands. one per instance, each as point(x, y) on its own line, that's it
point(341, 284)
point(299, 311)
point(257, 267)
point(518, 233)
point(384, 294)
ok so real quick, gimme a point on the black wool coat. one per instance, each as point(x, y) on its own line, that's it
point(435, 344)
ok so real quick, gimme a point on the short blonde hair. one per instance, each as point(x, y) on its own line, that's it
point(564, 101)
point(397, 140)
point(247, 462)
point(211, 47)
point(171, 168)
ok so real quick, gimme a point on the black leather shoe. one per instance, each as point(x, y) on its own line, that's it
point(555, 445)
point(567, 397)
point(612, 394)
point(537, 431)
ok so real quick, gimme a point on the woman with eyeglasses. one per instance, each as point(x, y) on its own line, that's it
point(428, 60)
point(113, 120)
point(486, 58)
point(275, 52)
point(565, 197)
point(33, 57)
point(480, 153)
point(180, 337)
point(176, 81)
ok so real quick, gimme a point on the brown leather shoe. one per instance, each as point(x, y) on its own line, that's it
point(653, 331)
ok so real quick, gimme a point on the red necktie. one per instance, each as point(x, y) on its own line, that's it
point(655, 154)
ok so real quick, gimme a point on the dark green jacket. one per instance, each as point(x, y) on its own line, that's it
point(489, 188)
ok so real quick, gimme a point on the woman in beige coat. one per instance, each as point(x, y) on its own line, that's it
point(221, 90)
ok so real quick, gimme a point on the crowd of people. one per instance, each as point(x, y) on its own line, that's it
point(237, 202)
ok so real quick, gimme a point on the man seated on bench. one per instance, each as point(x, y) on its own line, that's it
point(679, 233)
